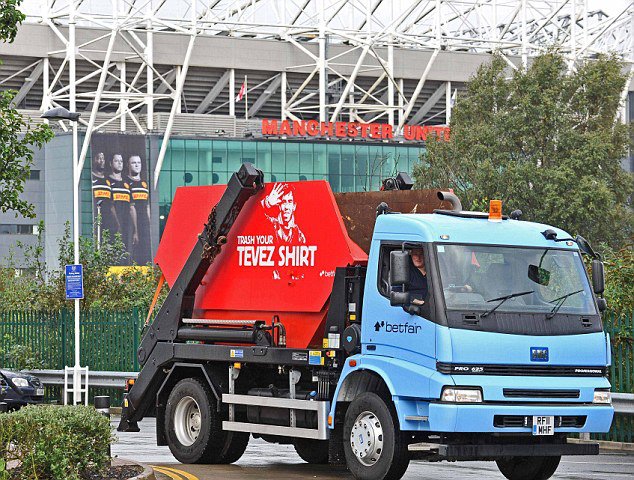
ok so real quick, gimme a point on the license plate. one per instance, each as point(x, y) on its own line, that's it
point(39, 392)
point(543, 425)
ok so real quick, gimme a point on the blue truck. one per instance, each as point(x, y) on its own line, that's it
point(464, 336)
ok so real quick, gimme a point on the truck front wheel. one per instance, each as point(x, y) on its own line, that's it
point(374, 446)
point(528, 468)
point(194, 426)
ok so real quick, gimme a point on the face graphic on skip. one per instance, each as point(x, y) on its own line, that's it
point(287, 207)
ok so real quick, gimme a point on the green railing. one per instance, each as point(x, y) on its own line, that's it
point(109, 341)
point(621, 330)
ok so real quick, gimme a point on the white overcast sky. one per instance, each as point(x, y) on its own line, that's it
point(608, 6)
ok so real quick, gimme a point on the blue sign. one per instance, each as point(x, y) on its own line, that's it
point(74, 282)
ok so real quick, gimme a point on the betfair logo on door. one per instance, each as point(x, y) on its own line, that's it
point(396, 327)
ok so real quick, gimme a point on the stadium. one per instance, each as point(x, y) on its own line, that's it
point(341, 90)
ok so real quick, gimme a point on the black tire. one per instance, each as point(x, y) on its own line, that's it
point(386, 463)
point(314, 452)
point(202, 440)
point(235, 445)
point(528, 468)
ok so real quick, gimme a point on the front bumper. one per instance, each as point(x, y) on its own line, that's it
point(445, 417)
point(450, 417)
point(28, 397)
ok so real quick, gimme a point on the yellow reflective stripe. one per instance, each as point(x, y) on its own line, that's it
point(186, 475)
point(173, 476)
point(174, 473)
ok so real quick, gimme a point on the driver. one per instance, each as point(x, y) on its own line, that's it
point(417, 278)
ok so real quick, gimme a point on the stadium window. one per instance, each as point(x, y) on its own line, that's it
point(24, 272)
point(26, 229)
point(13, 229)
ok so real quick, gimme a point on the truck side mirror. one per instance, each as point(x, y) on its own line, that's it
point(602, 304)
point(399, 268)
point(598, 278)
point(584, 246)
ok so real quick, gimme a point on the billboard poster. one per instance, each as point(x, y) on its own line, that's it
point(121, 193)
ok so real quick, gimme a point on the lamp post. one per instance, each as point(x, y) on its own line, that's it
point(60, 113)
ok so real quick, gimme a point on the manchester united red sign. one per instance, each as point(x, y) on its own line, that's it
point(348, 130)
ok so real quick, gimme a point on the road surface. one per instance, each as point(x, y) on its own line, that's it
point(280, 462)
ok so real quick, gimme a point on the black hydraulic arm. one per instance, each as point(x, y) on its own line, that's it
point(179, 303)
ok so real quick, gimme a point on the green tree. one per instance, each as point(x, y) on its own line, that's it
point(619, 273)
point(44, 287)
point(541, 140)
point(18, 135)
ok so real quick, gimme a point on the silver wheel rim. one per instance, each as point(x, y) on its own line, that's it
point(366, 438)
point(187, 421)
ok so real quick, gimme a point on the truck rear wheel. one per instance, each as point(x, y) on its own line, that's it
point(374, 446)
point(312, 451)
point(194, 426)
point(528, 468)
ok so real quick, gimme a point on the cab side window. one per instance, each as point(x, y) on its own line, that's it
point(384, 269)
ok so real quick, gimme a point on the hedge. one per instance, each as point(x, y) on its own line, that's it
point(53, 443)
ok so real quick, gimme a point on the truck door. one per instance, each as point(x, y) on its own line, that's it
point(388, 328)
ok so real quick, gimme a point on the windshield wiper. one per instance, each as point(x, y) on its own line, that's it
point(561, 301)
point(504, 299)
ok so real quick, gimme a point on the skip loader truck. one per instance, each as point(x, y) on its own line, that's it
point(279, 326)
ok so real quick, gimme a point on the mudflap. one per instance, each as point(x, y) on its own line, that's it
point(127, 425)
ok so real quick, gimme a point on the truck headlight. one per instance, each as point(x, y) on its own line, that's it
point(461, 395)
point(20, 382)
point(602, 396)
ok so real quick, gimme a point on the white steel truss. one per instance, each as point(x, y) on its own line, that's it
point(340, 41)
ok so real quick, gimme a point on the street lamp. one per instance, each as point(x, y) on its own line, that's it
point(60, 113)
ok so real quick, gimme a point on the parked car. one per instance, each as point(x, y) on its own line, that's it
point(31, 388)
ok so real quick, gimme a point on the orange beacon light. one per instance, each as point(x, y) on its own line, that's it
point(495, 211)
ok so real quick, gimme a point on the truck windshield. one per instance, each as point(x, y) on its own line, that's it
point(505, 279)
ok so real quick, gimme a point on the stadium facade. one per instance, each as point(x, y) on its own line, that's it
point(345, 91)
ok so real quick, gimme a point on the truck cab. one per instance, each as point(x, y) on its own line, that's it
point(505, 349)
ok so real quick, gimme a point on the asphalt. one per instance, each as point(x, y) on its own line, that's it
point(280, 462)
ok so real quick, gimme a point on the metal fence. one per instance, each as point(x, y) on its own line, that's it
point(109, 341)
point(621, 330)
